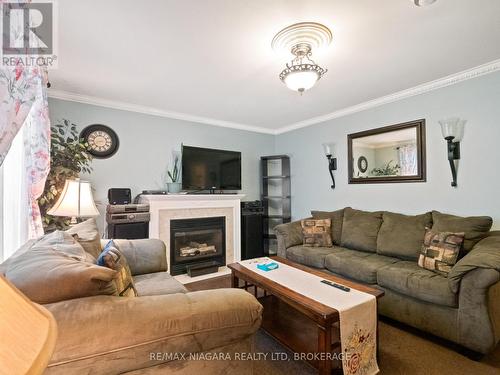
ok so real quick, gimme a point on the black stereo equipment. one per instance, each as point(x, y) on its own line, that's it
point(252, 206)
point(252, 236)
point(129, 231)
point(128, 221)
point(119, 196)
point(154, 192)
point(130, 217)
point(125, 208)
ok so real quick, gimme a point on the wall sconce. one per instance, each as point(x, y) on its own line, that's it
point(329, 149)
point(453, 132)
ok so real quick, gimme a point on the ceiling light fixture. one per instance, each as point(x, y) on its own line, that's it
point(302, 72)
point(422, 3)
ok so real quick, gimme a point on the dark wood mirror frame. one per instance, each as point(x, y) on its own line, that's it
point(419, 125)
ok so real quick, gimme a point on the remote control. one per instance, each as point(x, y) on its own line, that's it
point(335, 285)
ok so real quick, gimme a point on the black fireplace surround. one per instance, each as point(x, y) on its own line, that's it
point(197, 241)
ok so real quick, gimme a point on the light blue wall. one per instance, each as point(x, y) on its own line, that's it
point(146, 144)
point(476, 100)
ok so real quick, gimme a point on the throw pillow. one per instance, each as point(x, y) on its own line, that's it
point(87, 234)
point(475, 227)
point(54, 269)
point(402, 236)
point(112, 258)
point(337, 218)
point(440, 251)
point(317, 233)
point(360, 229)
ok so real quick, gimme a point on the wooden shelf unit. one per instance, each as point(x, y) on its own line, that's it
point(276, 197)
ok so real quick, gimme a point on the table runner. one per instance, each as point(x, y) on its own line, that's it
point(357, 313)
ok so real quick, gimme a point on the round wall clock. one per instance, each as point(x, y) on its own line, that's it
point(362, 164)
point(102, 140)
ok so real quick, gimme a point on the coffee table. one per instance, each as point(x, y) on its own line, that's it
point(308, 328)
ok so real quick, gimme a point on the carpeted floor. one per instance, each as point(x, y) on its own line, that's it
point(403, 351)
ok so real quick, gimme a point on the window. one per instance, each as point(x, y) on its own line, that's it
point(14, 210)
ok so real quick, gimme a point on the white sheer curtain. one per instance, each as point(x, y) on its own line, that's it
point(408, 159)
point(15, 210)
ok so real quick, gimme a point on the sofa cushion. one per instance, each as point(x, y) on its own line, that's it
point(112, 335)
point(402, 236)
point(158, 283)
point(87, 234)
point(357, 265)
point(337, 218)
point(360, 229)
point(113, 258)
point(317, 233)
point(409, 279)
point(475, 227)
point(290, 232)
point(145, 255)
point(55, 269)
point(310, 256)
point(440, 251)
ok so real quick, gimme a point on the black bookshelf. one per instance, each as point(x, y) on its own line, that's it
point(276, 196)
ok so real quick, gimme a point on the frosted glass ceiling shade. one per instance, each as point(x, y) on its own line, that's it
point(76, 200)
point(301, 81)
point(453, 127)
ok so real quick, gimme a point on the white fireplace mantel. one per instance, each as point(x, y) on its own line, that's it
point(165, 207)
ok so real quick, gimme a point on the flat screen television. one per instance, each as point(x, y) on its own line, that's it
point(210, 169)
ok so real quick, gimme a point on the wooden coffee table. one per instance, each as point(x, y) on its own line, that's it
point(307, 327)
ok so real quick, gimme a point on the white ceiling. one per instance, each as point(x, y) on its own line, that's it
point(211, 60)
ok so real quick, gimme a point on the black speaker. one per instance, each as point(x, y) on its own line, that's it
point(252, 241)
point(129, 231)
point(119, 196)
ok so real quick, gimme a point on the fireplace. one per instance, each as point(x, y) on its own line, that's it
point(194, 242)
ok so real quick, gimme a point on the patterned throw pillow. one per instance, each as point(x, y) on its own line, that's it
point(112, 258)
point(440, 251)
point(317, 232)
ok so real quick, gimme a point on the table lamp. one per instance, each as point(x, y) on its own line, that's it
point(75, 201)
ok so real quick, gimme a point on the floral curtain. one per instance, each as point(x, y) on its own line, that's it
point(23, 93)
point(408, 159)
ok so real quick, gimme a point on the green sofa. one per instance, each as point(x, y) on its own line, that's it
point(382, 248)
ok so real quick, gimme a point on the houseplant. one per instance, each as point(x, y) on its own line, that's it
point(68, 158)
point(174, 186)
point(387, 170)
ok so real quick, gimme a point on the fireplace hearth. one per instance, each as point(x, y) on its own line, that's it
point(194, 242)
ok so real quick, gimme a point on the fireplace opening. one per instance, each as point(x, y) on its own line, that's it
point(197, 241)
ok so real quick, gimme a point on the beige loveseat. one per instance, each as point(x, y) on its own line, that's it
point(157, 331)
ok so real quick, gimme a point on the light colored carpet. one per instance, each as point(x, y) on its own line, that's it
point(403, 351)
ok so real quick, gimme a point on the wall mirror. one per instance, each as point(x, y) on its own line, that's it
point(393, 153)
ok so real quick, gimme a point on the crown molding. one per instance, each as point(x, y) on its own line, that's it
point(452, 79)
point(124, 106)
point(465, 75)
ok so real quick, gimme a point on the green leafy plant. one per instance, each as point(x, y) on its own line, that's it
point(387, 170)
point(174, 173)
point(68, 158)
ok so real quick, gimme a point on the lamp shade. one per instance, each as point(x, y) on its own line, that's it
point(453, 127)
point(329, 149)
point(301, 80)
point(75, 200)
point(423, 3)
